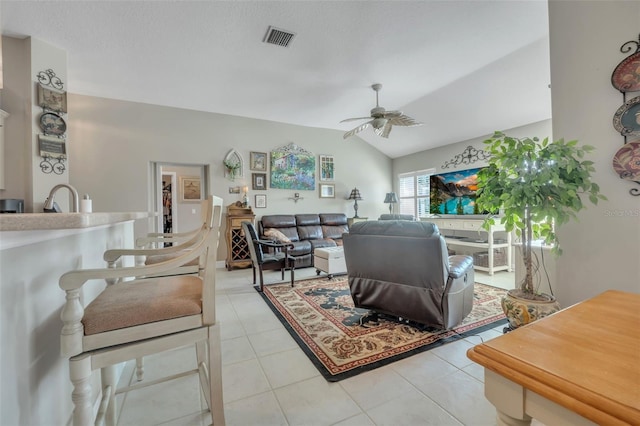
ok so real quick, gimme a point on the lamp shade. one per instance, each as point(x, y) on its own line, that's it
point(391, 198)
point(355, 194)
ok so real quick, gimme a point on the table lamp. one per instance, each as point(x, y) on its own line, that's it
point(355, 195)
point(390, 199)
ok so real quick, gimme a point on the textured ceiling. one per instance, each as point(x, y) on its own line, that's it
point(464, 68)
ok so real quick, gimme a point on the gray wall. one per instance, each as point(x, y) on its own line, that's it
point(435, 158)
point(602, 249)
point(114, 142)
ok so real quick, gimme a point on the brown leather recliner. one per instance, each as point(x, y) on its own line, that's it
point(401, 268)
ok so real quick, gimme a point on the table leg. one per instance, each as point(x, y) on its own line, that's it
point(503, 419)
point(508, 398)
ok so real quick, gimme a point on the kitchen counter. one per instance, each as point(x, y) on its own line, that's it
point(33, 221)
point(35, 250)
point(18, 229)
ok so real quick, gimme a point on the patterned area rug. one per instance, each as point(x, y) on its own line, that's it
point(320, 315)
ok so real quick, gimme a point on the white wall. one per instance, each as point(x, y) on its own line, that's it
point(436, 157)
point(35, 388)
point(114, 143)
point(602, 250)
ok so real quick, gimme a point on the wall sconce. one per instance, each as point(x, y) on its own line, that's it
point(390, 199)
point(296, 197)
point(355, 195)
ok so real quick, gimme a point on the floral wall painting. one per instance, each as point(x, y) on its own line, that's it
point(326, 168)
point(190, 189)
point(258, 161)
point(293, 167)
point(233, 165)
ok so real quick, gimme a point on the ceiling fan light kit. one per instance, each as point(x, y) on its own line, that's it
point(381, 120)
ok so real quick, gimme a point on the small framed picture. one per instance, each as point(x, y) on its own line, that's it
point(259, 181)
point(258, 161)
point(261, 201)
point(51, 146)
point(190, 189)
point(327, 190)
point(326, 168)
point(51, 99)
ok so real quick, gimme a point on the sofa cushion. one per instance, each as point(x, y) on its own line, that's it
point(333, 219)
point(310, 232)
point(300, 248)
point(285, 223)
point(334, 231)
point(307, 219)
point(274, 234)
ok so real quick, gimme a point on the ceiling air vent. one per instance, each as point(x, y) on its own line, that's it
point(278, 37)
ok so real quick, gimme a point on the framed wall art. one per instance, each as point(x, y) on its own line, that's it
point(261, 201)
point(326, 168)
point(52, 99)
point(259, 181)
point(51, 146)
point(190, 189)
point(293, 167)
point(258, 161)
point(327, 190)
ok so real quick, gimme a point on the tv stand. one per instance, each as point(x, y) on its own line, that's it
point(489, 243)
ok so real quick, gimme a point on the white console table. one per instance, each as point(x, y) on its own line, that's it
point(489, 243)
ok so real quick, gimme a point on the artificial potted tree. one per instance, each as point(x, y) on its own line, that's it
point(535, 186)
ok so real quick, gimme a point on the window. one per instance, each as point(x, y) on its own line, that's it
point(414, 193)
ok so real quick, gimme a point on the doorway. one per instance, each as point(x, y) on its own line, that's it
point(175, 212)
point(168, 200)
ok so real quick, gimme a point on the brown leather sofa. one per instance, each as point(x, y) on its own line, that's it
point(305, 231)
point(402, 268)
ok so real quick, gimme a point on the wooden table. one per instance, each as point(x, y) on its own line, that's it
point(578, 366)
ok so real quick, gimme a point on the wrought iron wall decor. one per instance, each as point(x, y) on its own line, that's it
point(626, 120)
point(49, 78)
point(469, 156)
point(55, 165)
point(52, 142)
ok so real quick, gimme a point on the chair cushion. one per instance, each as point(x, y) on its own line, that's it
point(157, 258)
point(138, 302)
point(274, 234)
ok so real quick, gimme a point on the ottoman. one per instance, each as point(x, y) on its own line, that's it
point(329, 260)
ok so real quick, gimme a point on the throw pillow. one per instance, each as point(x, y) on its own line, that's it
point(274, 234)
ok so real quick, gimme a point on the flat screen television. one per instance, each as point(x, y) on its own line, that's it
point(454, 193)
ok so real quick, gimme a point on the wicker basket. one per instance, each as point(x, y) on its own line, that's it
point(482, 258)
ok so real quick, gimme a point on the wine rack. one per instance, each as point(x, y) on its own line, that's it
point(238, 255)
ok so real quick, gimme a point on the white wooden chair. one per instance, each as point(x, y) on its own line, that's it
point(139, 317)
point(151, 251)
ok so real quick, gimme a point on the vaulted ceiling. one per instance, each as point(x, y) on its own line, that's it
point(463, 68)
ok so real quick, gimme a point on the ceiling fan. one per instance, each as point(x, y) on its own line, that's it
point(381, 120)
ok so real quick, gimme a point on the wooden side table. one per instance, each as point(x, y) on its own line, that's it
point(578, 366)
point(238, 255)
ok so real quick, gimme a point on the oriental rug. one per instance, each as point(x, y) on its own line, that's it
point(320, 315)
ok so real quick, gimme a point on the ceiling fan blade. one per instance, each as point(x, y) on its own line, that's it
point(356, 130)
point(404, 120)
point(391, 114)
point(354, 119)
point(384, 131)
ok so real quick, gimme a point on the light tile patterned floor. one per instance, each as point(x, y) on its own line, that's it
point(268, 380)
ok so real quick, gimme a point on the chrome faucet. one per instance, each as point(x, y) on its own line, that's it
point(50, 206)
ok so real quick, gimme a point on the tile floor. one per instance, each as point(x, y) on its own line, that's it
point(268, 380)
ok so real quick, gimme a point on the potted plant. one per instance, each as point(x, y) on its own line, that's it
point(536, 186)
